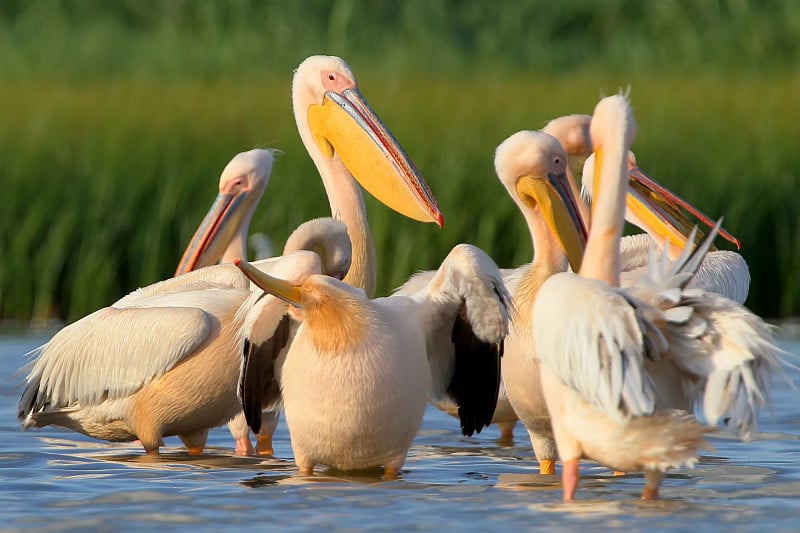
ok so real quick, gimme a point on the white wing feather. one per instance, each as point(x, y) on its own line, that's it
point(596, 346)
point(113, 352)
point(722, 272)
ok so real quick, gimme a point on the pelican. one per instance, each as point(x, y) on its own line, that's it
point(222, 236)
point(722, 271)
point(163, 360)
point(537, 156)
point(348, 142)
point(619, 366)
point(532, 165)
point(359, 371)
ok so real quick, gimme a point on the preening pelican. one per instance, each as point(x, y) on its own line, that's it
point(724, 272)
point(222, 236)
point(620, 365)
point(359, 371)
point(346, 140)
point(163, 360)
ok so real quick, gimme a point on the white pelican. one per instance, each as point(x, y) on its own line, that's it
point(222, 236)
point(163, 360)
point(532, 165)
point(359, 371)
point(724, 272)
point(346, 140)
point(619, 364)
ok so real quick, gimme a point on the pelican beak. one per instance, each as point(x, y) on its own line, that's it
point(344, 124)
point(662, 213)
point(277, 287)
point(554, 198)
point(216, 231)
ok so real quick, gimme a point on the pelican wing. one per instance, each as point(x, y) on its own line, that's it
point(465, 314)
point(216, 276)
point(595, 340)
point(728, 352)
point(267, 334)
point(723, 272)
point(113, 352)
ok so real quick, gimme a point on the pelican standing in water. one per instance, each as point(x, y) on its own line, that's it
point(222, 236)
point(164, 360)
point(532, 165)
point(616, 363)
point(359, 371)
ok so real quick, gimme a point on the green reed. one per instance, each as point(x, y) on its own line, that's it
point(116, 119)
point(105, 182)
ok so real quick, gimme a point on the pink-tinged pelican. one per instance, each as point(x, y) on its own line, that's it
point(222, 236)
point(346, 140)
point(163, 360)
point(724, 272)
point(359, 371)
point(532, 166)
point(619, 366)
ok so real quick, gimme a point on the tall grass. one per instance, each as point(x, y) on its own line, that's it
point(117, 118)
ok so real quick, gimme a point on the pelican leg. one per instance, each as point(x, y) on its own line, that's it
point(652, 481)
point(547, 467)
point(393, 466)
point(545, 450)
point(241, 434)
point(506, 432)
point(149, 438)
point(195, 442)
point(304, 462)
point(570, 476)
point(269, 421)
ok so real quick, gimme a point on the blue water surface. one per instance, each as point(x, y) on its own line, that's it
point(53, 480)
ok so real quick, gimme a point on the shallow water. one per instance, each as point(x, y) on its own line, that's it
point(53, 479)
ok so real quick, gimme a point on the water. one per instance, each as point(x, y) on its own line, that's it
point(54, 480)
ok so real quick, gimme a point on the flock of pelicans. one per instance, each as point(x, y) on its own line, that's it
point(602, 346)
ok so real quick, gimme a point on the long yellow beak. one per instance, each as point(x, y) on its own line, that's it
point(345, 124)
point(662, 213)
point(275, 286)
point(559, 207)
point(215, 231)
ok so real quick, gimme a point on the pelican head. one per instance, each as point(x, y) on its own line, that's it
point(240, 187)
point(532, 166)
point(337, 314)
point(334, 117)
point(572, 131)
point(328, 238)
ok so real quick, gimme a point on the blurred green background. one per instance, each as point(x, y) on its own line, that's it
point(116, 119)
